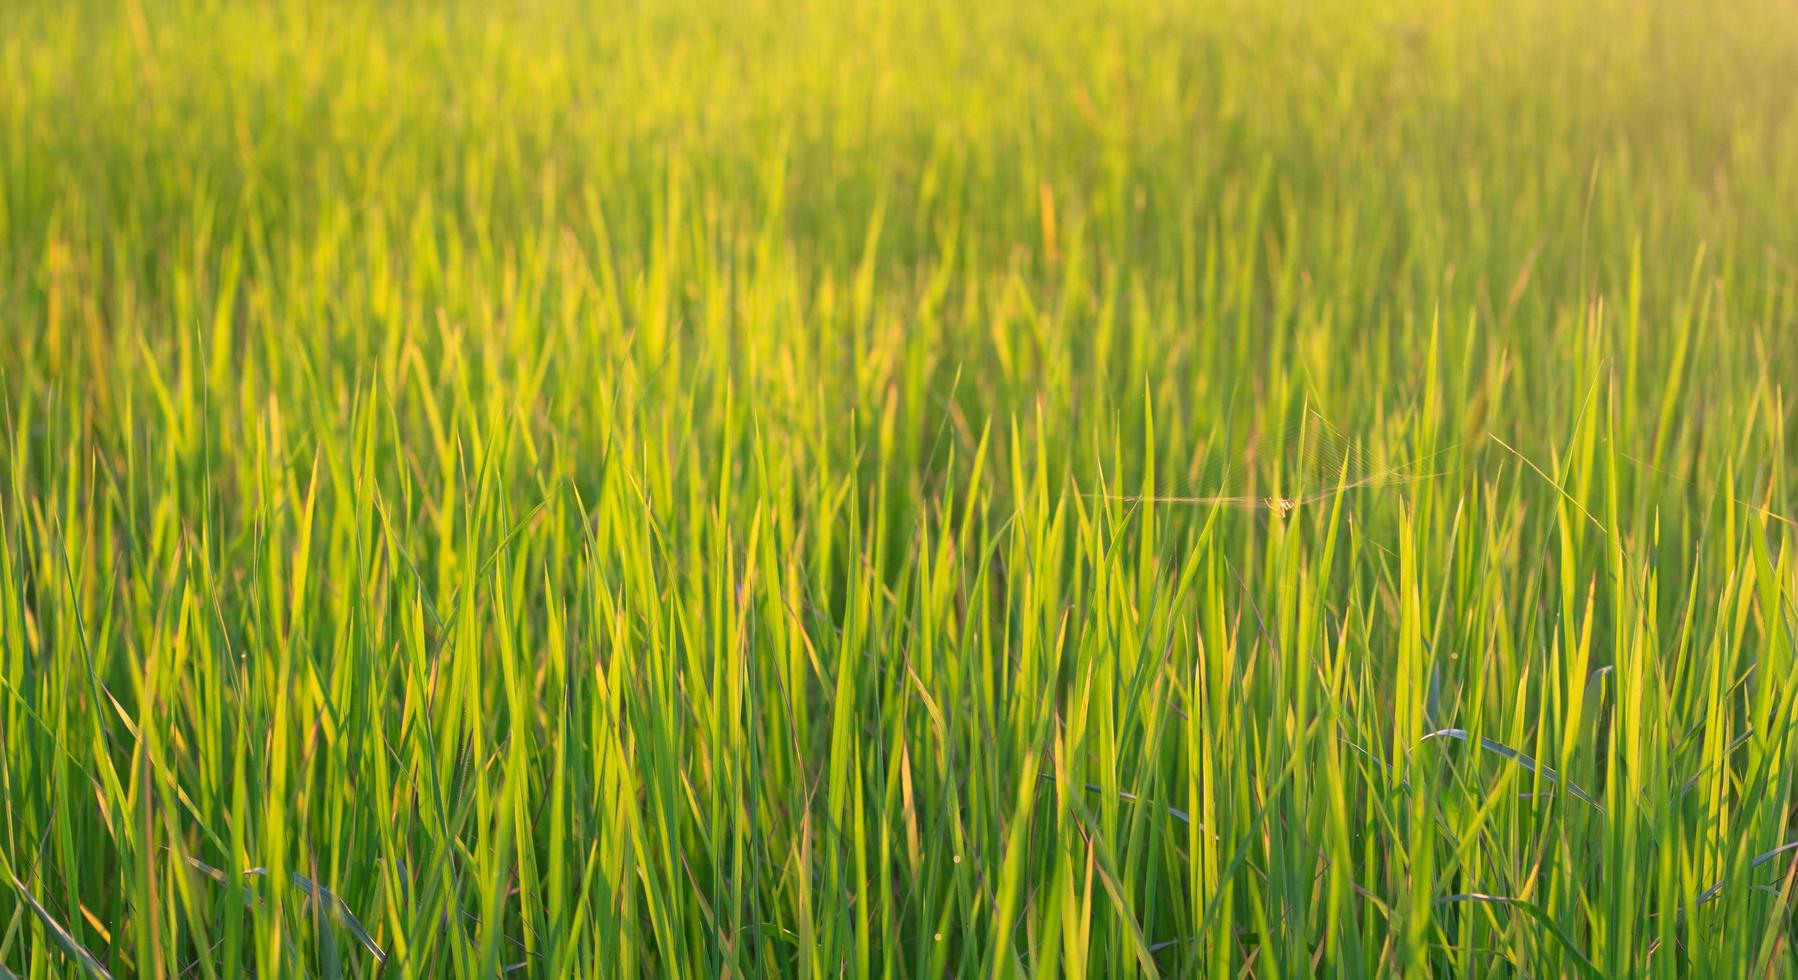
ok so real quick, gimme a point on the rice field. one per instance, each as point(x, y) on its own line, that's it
point(742, 488)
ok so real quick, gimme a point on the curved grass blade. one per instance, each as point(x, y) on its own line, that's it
point(1712, 892)
point(336, 907)
point(1504, 751)
point(1534, 911)
point(75, 951)
point(1317, 460)
point(1128, 797)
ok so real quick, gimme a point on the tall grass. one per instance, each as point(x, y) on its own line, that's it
point(676, 488)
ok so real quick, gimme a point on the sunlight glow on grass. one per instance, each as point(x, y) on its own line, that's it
point(708, 488)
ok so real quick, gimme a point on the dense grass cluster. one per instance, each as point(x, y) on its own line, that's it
point(673, 488)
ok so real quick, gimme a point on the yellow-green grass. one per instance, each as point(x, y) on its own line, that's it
point(674, 488)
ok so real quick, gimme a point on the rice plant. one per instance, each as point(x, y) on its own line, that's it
point(704, 488)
